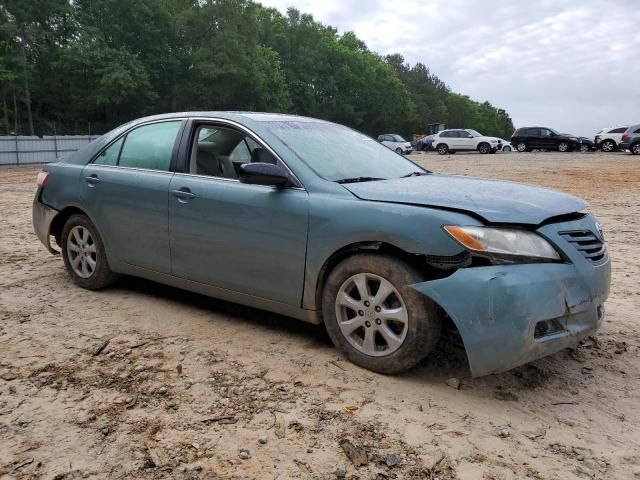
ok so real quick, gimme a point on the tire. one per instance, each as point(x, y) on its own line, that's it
point(484, 148)
point(92, 252)
point(584, 148)
point(411, 341)
point(399, 151)
point(635, 148)
point(442, 148)
point(608, 146)
point(506, 149)
point(521, 147)
point(563, 147)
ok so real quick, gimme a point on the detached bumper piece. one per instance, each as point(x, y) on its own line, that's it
point(508, 315)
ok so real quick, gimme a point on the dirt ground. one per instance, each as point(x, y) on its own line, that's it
point(146, 381)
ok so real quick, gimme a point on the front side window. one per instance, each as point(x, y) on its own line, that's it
point(150, 146)
point(219, 151)
point(473, 133)
point(397, 138)
point(335, 152)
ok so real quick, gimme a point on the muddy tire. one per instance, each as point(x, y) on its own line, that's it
point(84, 254)
point(389, 327)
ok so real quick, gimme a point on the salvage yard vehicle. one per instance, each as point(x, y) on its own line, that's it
point(316, 221)
point(396, 143)
point(631, 140)
point(608, 139)
point(540, 138)
point(451, 141)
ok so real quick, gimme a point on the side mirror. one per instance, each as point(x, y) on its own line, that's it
point(260, 173)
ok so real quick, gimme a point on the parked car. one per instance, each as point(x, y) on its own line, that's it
point(608, 139)
point(450, 141)
point(585, 144)
point(316, 221)
point(526, 139)
point(396, 143)
point(426, 143)
point(630, 140)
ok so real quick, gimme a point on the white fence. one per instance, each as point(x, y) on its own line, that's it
point(22, 150)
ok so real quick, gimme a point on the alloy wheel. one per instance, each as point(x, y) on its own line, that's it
point(607, 146)
point(81, 251)
point(635, 149)
point(371, 314)
point(521, 147)
point(563, 146)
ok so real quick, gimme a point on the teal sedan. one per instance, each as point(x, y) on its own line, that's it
point(316, 221)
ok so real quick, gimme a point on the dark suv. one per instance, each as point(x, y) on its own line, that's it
point(631, 140)
point(528, 138)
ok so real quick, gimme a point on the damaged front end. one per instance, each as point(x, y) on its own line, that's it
point(508, 315)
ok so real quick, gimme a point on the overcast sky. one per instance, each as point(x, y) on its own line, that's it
point(573, 65)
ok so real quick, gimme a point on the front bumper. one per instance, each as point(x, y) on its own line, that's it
point(43, 215)
point(497, 308)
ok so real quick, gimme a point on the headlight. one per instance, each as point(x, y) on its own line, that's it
point(503, 242)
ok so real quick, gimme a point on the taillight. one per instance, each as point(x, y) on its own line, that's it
point(41, 179)
point(625, 137)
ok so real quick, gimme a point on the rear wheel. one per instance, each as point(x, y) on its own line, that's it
point(635, 148)
point(443, 149)
point(608, 146)
point(563, 147)
point(521, 147)
point(373, 315)
point(84, 255)
point(584, 148)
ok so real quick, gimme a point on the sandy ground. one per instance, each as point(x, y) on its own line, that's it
point(185, 382)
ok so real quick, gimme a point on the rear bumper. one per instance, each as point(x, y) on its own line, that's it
point(623, 146)
point(43, 215)
point(497, 308)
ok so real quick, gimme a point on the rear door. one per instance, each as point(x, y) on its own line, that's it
point(533, 138)
point(125, 191)
point(250, 239)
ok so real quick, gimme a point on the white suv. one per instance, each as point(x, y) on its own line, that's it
point(608, 139)
point(395, 142)
point(450, 141)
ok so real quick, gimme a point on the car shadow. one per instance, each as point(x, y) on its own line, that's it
point(447, 361)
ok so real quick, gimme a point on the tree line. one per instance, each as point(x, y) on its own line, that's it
point(89, 65)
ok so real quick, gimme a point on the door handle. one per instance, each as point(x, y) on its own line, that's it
point(183, 194)
point(92, 179)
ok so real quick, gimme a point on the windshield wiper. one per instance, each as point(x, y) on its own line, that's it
point(358, 179)
point(415, 174)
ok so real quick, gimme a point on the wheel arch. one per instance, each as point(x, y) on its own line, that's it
point(58, 222)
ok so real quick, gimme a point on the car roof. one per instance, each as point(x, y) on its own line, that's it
point(231, 115)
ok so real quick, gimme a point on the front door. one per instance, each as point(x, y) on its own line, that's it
point(125, 191)
point(245, 238)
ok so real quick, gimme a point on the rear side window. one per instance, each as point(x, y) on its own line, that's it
point(150, 146)
point(637, 130)
point(110, 155)
point(618, 130)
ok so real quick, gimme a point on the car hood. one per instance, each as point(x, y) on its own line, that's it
point(493, 200)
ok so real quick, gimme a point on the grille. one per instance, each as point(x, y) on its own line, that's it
point(588, 244)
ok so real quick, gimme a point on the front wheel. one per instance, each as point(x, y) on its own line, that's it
point(373, 315)
point(635, 148)
point(506, 149)
point(584, 148)
point(84, 255)
point(608, 146)
point(399, 151)
point(563, 147)
point(484, 148)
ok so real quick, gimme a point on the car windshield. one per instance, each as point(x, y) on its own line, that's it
point(398, 138)
point(473, 133)
point(336, 153)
